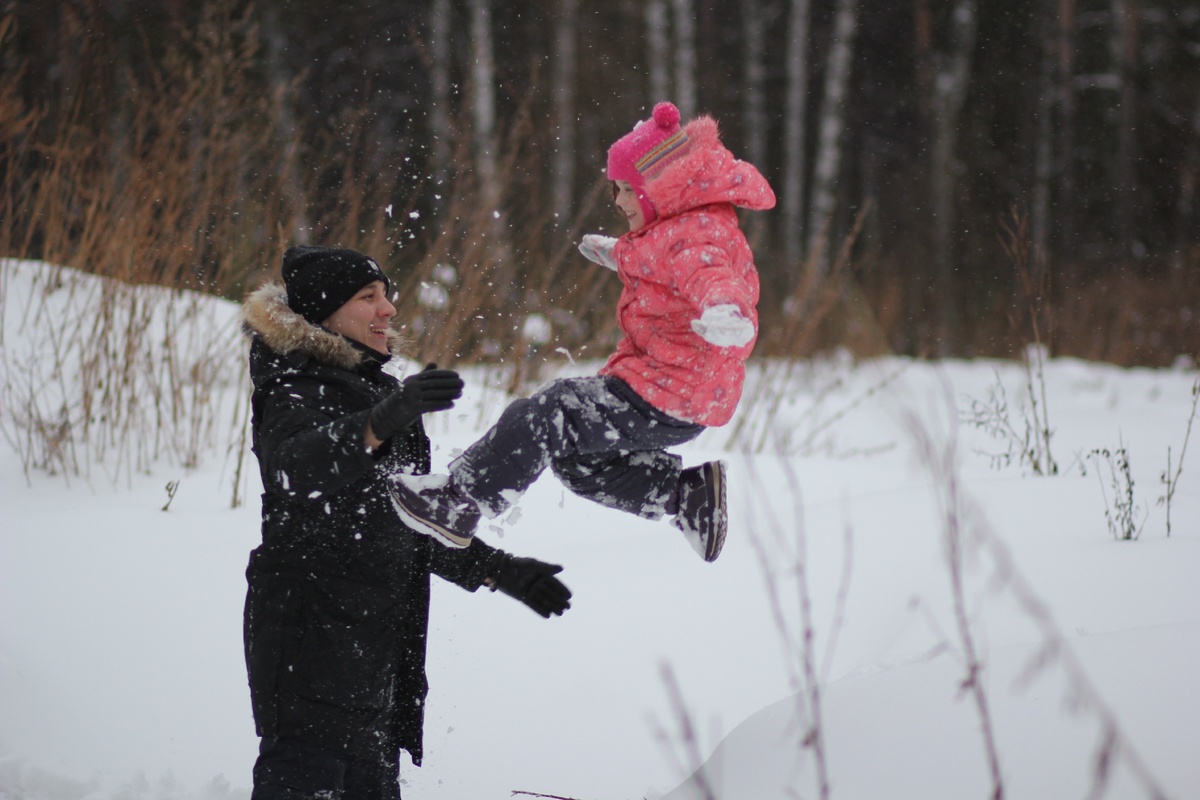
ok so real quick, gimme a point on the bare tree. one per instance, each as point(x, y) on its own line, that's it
point(564, 104)
point(483, 93)
point(951, 76)
point(1185, 204)
point(1065, 169)
point(280, 82)
point(1043, 146)
point(1054, 145)
point(754, 99)
point(657, 50)
point(685, 57)
point(440, 125)
point(1123, 47)
point(827, 166)
point(794, 122)
point(483, 97)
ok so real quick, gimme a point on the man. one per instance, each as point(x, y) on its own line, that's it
point(338, 602)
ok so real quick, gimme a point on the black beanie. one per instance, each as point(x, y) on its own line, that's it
point(319, 280)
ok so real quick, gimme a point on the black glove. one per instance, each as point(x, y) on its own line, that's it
point(530, 581)
point(432, 389)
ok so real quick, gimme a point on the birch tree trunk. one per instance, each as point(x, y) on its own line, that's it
point(483, 100)
point(657, 50)
point(685, 58)
point(795, 119)
point(564, 109)
point(827, 165)
point(483, 104)
point(440, 126)
point(952, 72)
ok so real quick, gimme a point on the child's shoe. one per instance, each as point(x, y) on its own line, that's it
point(433, 505)
point(702, 515)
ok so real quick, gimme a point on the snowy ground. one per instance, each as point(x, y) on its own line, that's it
point(120, 651)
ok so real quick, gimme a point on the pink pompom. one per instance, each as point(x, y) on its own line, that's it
point(666, 115)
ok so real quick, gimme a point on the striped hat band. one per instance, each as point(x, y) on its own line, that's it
point(661, 155)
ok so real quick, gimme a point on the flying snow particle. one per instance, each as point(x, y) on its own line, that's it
point(536, 329)
point(445, 274)
point(433, 295)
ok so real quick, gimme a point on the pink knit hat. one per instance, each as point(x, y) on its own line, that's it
point(646, 151)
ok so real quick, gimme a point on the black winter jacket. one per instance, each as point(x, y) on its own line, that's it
point(338, 601)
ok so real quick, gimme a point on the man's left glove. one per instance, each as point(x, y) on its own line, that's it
point(530, 581)
point(432, 389)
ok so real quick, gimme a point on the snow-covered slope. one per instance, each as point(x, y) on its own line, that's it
point(120, 660)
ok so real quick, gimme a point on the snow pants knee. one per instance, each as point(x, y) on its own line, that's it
point(600, 438)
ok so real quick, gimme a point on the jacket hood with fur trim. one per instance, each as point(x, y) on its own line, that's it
point(267, 316)
point(708, 174)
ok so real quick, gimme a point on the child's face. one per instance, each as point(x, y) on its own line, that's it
point(627, 203)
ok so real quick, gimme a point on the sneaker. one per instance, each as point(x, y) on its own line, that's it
point(702, 514)
point(433, 505)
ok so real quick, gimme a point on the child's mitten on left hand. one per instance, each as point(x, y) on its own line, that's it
point(724, 326)
point(599, 249)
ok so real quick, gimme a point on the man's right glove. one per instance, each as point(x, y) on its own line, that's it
point(599, 249)
point(530, 581)
point(432, 389)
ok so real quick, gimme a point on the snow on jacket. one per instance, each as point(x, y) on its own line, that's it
point(338, 603)
point(692, 257)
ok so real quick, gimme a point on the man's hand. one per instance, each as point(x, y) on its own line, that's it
point(432, 389)
point(530, 581)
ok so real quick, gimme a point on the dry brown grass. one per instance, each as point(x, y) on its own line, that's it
point(200, 179)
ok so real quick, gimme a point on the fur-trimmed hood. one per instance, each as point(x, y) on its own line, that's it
point(708, 174)
point(267, 316)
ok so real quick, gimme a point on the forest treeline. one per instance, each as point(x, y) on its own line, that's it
point(955, 177)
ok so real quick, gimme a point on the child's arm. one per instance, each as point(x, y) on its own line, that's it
point(719, 294)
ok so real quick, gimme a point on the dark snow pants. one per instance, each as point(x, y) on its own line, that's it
point(601, 439)
point(321, 666)
point(291, 769)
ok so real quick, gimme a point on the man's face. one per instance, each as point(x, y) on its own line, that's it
point(365, 317)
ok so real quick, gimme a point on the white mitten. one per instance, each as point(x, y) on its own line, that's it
point(724, 326)
point(599, 249)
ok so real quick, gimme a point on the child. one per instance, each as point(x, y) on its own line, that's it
point(688, 316)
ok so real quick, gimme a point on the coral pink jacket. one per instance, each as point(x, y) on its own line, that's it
point(692, 257)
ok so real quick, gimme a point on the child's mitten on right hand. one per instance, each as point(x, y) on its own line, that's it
point(724, 326)
point(599, 249)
